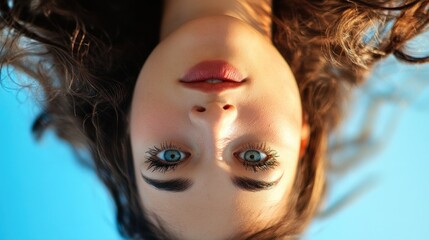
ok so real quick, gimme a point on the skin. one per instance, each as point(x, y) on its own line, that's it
point(264, 110)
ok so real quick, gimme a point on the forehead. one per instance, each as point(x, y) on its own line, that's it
point(212, 211)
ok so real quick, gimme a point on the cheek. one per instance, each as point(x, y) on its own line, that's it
point(153, 109)
point(149, 123)
point(153, 124)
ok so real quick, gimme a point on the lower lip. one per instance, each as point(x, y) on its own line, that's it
point(212, 87)
point(197, 76)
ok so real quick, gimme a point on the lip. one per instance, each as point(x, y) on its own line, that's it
point(197, 76)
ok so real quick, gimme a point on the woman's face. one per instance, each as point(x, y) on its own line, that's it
point(213, 160)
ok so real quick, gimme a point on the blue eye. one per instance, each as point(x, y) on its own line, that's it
point(257, 157)
point(171, 155)
point(252, 155)
point(166, 157)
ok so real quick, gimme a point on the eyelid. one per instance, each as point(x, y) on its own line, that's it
point(263, 147)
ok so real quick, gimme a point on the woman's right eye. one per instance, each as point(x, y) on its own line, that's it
point(257, 157)
point(253, 156)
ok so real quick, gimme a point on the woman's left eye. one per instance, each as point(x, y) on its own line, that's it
point(171, 155)
point(166, 158)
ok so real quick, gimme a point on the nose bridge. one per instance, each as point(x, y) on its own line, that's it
point(213, 123)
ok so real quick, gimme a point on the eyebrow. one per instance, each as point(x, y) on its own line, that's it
point(173, 185)
point(181, 184)
point(252, 185)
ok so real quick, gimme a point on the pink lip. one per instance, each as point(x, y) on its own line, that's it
point(197, 76)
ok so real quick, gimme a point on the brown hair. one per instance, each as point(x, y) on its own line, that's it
point(86, 56)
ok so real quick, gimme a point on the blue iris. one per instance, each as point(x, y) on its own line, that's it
point(172, 155)
point(252, 156)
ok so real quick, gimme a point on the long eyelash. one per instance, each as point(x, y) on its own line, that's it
point(269, 163)
point(155, 163)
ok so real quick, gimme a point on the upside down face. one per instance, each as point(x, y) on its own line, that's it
point(216, 130)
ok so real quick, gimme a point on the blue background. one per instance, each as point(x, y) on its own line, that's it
point(46, 194)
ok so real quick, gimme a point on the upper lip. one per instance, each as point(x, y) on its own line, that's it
point(212, 76)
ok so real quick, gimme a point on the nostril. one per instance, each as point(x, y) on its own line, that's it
point(199, 109)
point(227, 106)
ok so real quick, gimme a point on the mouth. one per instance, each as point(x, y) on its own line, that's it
point(212, 85)
point(212, 76)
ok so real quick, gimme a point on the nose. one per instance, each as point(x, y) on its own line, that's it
point(214, 116)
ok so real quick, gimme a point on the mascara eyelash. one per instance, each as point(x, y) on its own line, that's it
point(160, 165)
point(269, 162)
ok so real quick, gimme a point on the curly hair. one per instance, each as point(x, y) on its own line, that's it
point(86, 56)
